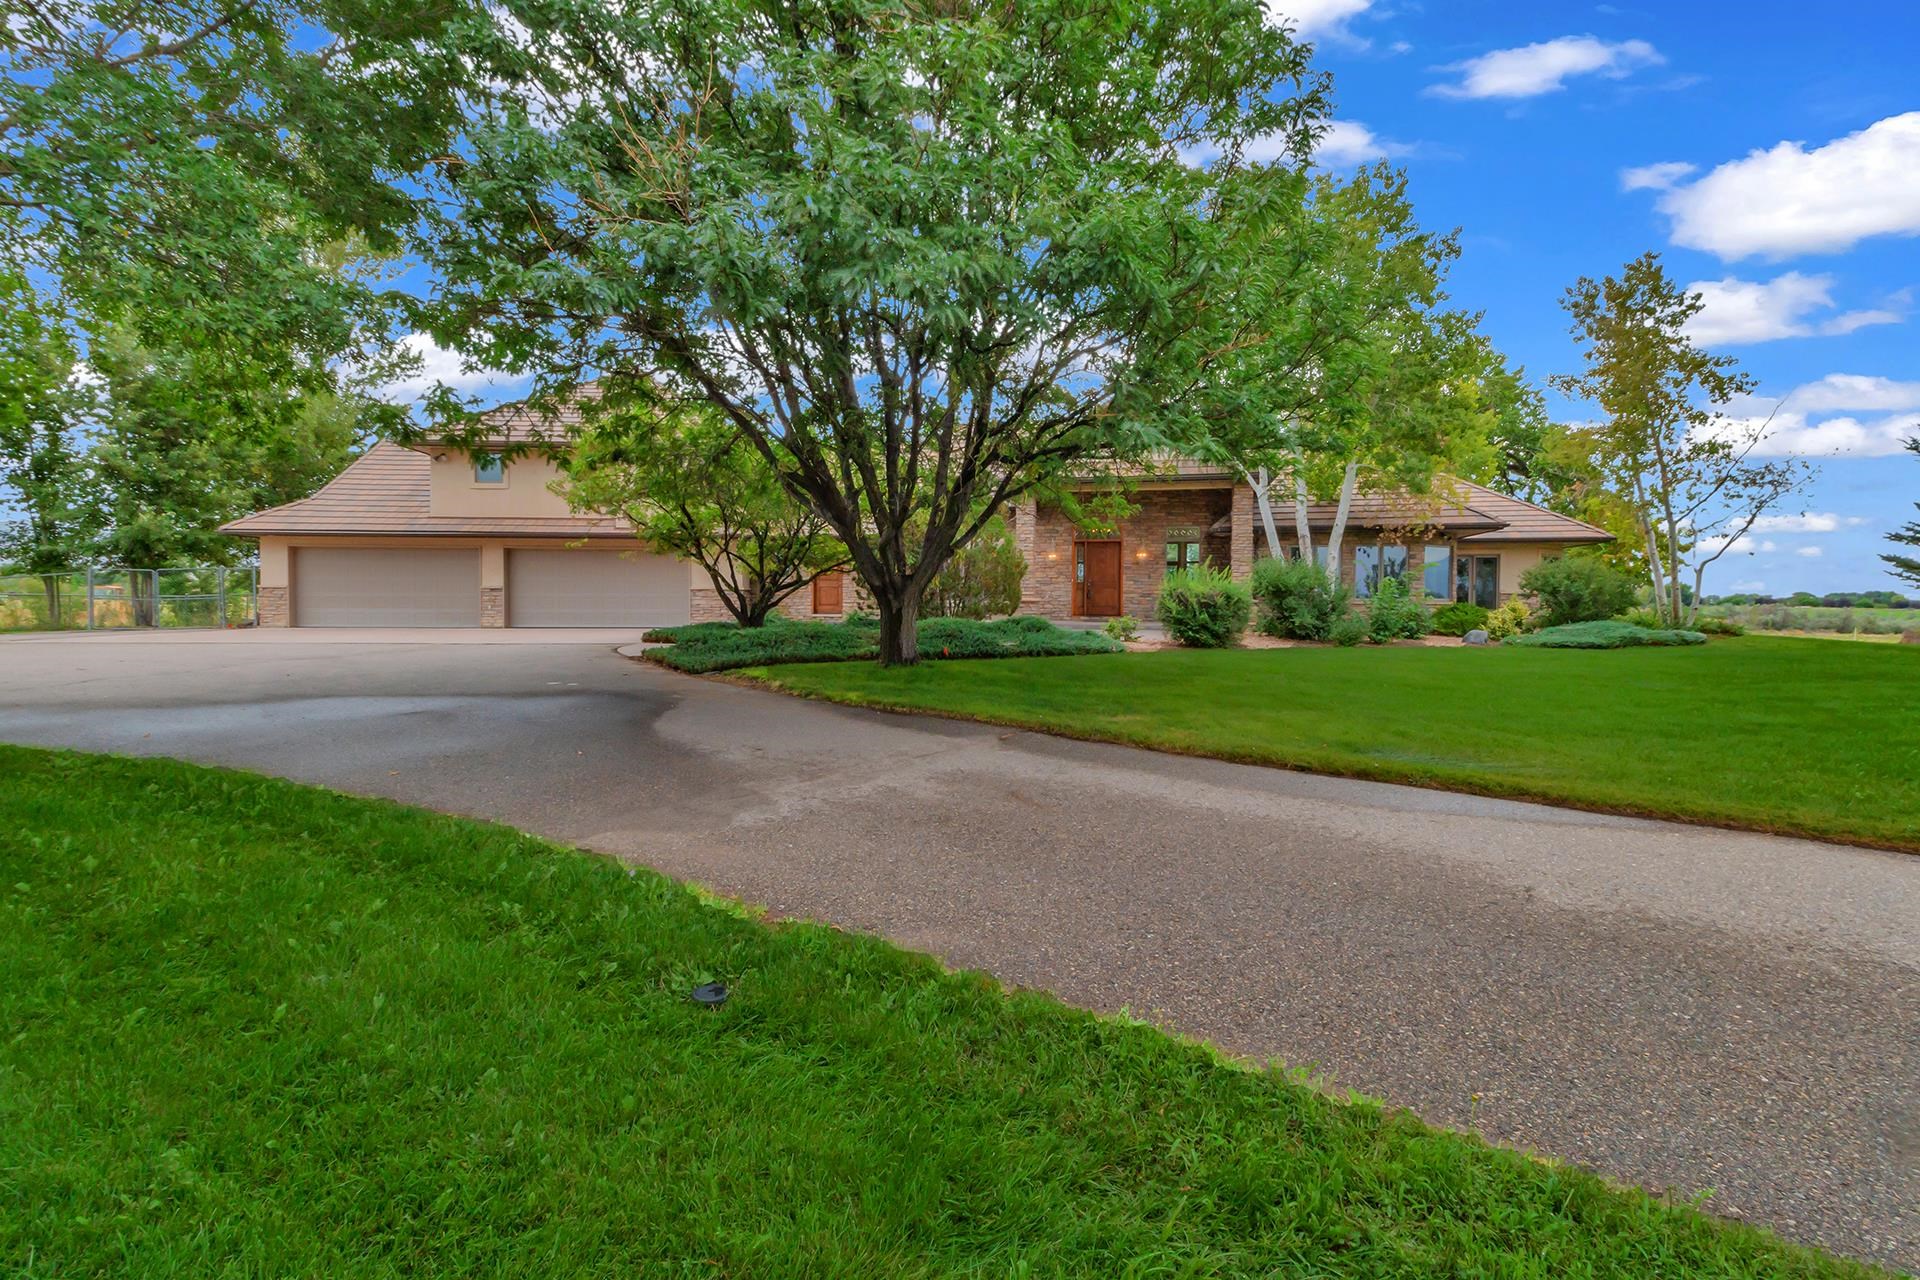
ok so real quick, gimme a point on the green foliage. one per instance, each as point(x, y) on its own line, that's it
point(981, 579)
point(1905, 567)
point(1348, 629)
point(706, 647)
point(929, 261)
point(42, 406)
point(1297, 600)
point(1577, 588)
point(1712, 626)
point(1509, 619)
point(1696, 479)
point(182, 169)
point(1121, 628)
point(1203, 607)
point(693, 486)
point(1458, 618)
point(1603, 634)
point(1393, 614)
point(1642, 618)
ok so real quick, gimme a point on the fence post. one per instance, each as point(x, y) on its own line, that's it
point(89, 597)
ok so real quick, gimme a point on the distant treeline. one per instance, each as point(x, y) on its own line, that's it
point(1837, 600)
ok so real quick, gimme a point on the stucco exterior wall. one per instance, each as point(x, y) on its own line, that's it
point(526, 490)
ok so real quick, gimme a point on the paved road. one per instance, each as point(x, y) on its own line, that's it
point(1678, 1007)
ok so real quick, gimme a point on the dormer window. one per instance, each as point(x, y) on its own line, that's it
point(489, 468)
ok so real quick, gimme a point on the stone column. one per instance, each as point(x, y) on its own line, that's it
point(1240, 547)
point(276, 606)
point(493, 585)
point(1026, 519)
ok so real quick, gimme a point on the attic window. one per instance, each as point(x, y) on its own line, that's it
point(489, 468)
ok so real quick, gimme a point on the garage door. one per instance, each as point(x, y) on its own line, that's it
point(583, 588)
point(385, 587)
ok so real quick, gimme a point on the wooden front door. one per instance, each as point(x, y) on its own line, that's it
point(829, 593)
point(1096, 579)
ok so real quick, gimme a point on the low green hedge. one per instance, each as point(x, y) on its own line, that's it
point(722, 646)
point(1601, 635)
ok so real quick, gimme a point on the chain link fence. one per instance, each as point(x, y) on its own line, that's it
point(110, 598)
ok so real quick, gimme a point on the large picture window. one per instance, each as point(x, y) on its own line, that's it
point(1436, 573)
point(1373, 565)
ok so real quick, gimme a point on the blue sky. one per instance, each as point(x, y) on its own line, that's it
point(1523, 124)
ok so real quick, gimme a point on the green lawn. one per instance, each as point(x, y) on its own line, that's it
point(253, 1028)
point(1798, 736)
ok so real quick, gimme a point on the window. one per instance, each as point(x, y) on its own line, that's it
point(1477, 580)
point(1436, 579)
point(1183, 555)
point(1319, 553)
point(489, 468)
point(1373, 565)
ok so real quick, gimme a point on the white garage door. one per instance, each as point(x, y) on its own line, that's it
point(578, 587)
point(385, 587)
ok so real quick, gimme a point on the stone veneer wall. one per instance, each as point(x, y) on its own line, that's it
point(275, 609)
point(1048, 590)
point(493, 606)
point(706, 606)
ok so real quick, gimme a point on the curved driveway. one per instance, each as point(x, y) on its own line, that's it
point(1679, 1007)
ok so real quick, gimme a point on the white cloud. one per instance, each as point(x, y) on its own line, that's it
point(1788, 200)
point(1804, 522)
point(1655, 177)
point(1535, 69)
point(1736, 311)
point(1314, 18)
point(1793, 436)
point(438, 364)
point(1809, 552)
point(1350, 142)
point(1856, 391)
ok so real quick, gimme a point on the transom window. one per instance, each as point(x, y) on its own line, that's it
point(489, 468)
point(1373, 565)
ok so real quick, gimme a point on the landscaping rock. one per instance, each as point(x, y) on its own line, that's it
point(1475, 636)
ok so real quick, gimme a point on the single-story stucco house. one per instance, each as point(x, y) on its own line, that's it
point(431, 535)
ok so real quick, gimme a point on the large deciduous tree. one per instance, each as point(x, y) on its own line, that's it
point(689, 485)
point(1691, 471)
point(43, 399)
point(922, 256)
point(176, 167)
point(1904, 567)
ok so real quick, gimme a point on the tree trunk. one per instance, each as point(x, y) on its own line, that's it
point(899, 627)
point(50, 584)
point(1340, 521)
point(1262, 482)
point(1302, 526)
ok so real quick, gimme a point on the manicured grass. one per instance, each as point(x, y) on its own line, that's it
point(1783, 735)
point(259, 1029)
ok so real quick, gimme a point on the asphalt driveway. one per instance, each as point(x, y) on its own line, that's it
point(1688, 1009)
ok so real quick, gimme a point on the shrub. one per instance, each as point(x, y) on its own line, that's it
point(1347, 630)
point(1509, 619)
point(1297, 599)
point(1204, 608)
point(1718, 627)
point(1604, 634)
point(981, 580)
point(1642, 617)
point(705, 647)
point(1458, 618)
point(1578, 589)
point(1392, 614)
point(692, 631)
point(1122, 628)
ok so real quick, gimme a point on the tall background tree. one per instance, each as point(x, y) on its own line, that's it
point(1905, 567)
point(1691, 472)
point(924, 258)
point(208, 183)
point(42, 466)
